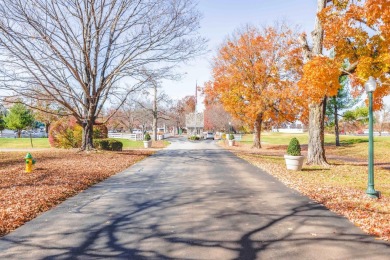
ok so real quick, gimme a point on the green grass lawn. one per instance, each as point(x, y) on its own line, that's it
point(284, 138)
point(44, 143)
point(351, 145)
point(24, 143)
point(276, 138)
point(129, 144)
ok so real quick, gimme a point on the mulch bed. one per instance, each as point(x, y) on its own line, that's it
point(58, 174)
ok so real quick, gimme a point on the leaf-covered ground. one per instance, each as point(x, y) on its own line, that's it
point(341, 188)
point(58, 174)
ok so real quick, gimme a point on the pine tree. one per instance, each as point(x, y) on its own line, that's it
point(19, 118)
point(342, 101)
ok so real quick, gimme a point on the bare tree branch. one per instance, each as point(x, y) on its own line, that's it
point(80, 53)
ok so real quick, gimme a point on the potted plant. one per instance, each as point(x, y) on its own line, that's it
point(294, 159)
point(147, 141)
point(231, 140)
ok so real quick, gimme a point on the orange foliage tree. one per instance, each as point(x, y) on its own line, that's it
point(320, 79)
point(359, 32)
point(254, 75)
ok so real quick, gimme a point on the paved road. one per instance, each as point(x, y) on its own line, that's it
point(190, 201)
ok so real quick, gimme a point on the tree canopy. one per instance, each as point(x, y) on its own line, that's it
point(254, 75)
point(359, 31)
point(78, 53)
point(19, 118)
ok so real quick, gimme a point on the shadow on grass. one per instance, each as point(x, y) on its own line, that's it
point(314, 170)
point(353, 141)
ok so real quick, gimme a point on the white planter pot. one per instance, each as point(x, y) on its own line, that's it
point(148, 144)
point(231, 142)
point(294, 162)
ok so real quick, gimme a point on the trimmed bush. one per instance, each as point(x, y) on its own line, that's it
point(147, 137)
point(231, 137)
point(101, 144)
point(294, 148)
point(194, 138)
point(223, 137)
point(116, 145)
point(108, 144)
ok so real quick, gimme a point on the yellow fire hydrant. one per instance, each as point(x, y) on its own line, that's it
point(29, 162)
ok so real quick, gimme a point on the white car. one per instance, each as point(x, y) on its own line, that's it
point(209, 135)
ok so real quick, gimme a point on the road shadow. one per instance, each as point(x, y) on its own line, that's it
point(173, 214)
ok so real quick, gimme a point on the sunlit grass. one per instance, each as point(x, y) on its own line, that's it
point(340, 174)
point(351, 146)
point(22, 143)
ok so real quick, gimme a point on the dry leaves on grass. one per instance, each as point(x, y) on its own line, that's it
point(340, 188)
point(58, 175)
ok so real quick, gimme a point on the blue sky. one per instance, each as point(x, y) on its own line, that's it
point(222, 17)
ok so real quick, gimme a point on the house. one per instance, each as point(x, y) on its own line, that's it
point(294, 128)
point(195, 123)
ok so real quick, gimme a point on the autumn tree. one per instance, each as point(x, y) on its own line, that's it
point(79, 53)
point(320, 78)
point(358, 32)
point(254, 76)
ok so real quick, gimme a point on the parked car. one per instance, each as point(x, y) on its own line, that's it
point(209, 135)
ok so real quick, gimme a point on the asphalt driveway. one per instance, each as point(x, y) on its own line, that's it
point(190, 201)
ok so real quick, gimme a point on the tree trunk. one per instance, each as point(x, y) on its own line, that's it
point(155, 114)
point(154, 128)
point(336, 124)
point(87, 141)
point(257, 131)
point(47, 126)
point(316, 148)
point(19, 133)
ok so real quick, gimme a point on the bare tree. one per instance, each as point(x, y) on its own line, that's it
point(78, 53)
point(155, 105)
point(123, 118)
point(382, 119)
point(216, 117)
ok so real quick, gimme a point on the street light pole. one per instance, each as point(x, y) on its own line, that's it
point(370, 87)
